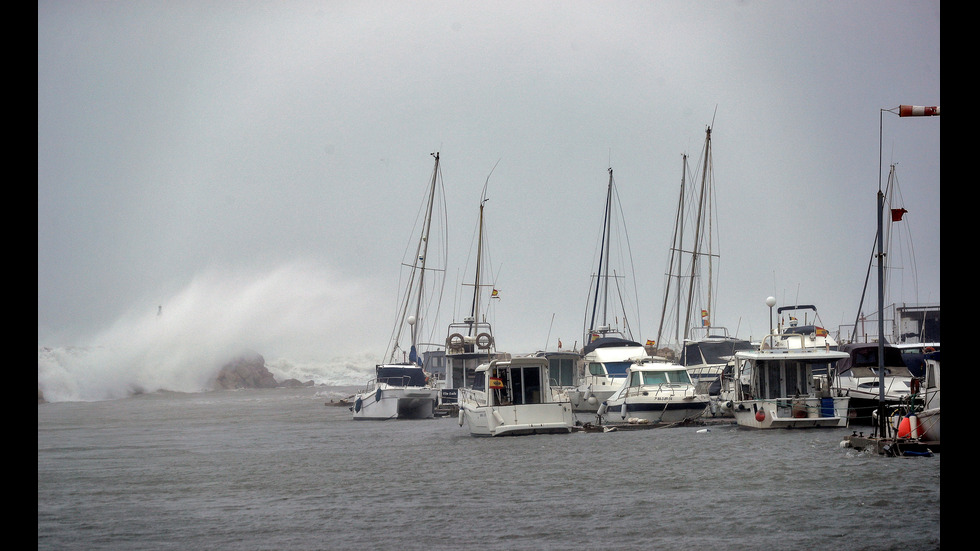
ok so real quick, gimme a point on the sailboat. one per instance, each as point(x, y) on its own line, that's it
point(866, 378)
point(469, 342)
point(402, 389)
point(704, 349)
point(609, 349)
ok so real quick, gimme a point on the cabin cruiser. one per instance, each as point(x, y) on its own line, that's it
point(605, 361)
point(775, 385)
point(512, 397)
point(654, 392)
point(858, 377)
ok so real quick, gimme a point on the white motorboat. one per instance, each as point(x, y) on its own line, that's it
point(654, 391)
point(858, 378)
point(512, 397)
point(775, 386)
point(605, 362)
point(401, 388)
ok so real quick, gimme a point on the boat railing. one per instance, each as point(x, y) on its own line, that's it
point(672, 388)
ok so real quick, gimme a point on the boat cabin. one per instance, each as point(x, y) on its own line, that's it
point(513, 382)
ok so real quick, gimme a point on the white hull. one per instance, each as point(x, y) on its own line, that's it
point(653, 410)
point(586, 400)
point(549, 418)
point(928, 425)
point(395, 403)
point(792, 413)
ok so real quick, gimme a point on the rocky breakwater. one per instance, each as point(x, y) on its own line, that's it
point(248, 370)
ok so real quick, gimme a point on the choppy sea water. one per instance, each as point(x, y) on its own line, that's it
point(279, 469)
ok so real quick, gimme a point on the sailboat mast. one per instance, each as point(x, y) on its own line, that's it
point(677, 246)
point(422, 254)
point(603, 259)
point(475, 307)
point(697, 233)
point(418, 271)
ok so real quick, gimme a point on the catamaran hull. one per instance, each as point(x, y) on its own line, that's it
point(395, 403)
point(792, 413)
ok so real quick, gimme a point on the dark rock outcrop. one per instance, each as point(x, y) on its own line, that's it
point(246, 371)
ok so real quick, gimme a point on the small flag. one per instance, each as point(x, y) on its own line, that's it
point(559, 343)
point(897, 214)
point(821, 332)
point(651, 342)
point(496, 382)
point(495, 294)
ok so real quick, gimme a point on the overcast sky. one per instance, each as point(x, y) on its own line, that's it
point(259, 164)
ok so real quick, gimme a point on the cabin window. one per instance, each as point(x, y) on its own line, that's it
point(679, 377)
point(479, 383)
point(617, 369)
point(635, 379)
point(596, 369)
point(526, 385)
point(561, 371)
point(654, 377)
point(793, 379)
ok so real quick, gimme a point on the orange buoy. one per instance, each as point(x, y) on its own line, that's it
point(904, 428)
point(760, 415)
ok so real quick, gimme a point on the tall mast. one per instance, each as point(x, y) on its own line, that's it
point(418, 270)
point(697, 234)
point(676, 248)
point(603, 260)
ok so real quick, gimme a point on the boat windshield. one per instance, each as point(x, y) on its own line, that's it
point(617, 369)
point(664, 377)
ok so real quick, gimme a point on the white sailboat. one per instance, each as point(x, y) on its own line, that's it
point(470, 342)
point(401, 388)
point(609, 347)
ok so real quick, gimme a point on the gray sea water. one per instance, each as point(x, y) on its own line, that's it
point(279, 469)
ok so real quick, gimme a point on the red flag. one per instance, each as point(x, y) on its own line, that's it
point(897, 214)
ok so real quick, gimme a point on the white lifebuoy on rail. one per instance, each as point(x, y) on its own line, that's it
point(484, 340)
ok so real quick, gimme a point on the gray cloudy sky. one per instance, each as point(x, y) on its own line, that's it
point(258, 164)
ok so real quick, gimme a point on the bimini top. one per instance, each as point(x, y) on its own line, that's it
point(606, 342)
point(401, 375)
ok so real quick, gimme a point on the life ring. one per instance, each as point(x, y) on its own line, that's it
point(357, 405)
point(455, 340)
point(484, 340)
point(377, 396)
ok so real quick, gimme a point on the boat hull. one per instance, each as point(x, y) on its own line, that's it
point(928, 426)
point(792, 413)
point(549, 418)
point(395, 403)
point(587, 400)
point(654, 411)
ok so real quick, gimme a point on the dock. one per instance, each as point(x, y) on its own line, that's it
point(891, 447)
